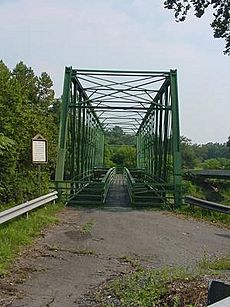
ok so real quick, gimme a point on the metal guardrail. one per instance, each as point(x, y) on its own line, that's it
point(207, 204)
point(11, 213)
point(218, 294)
point(223, 303)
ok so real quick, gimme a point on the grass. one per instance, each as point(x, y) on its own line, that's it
point(219, 264)
point(171, 287)
point(220, 219)
point(6, 206)
point(20, 232)
point(226, 195)
point(155, 287)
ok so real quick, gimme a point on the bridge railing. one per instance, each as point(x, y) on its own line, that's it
point(130, 182)
point(107, 180)
point(148, 190)
point(96, 183)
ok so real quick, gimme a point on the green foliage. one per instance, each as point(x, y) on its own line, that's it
point(120, 156)
point(221, 14)
point(210, 155)
point(212, 151)
point(108, 154)
point(87, 227)
point(188, 155)
point(206, 156)
point(166, 287)
point(118, 137)
point(26, 103)
point(124, 156)
point(154, 287)
point(6, 144)
point(219, 163)
point(20, 232)
point(218, 264)
point(7, 167)
point(120, 150)
point(188, 188)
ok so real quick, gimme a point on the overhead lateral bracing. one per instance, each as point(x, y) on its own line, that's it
point(144, 103)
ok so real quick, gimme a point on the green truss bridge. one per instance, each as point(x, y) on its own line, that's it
point(142, 103)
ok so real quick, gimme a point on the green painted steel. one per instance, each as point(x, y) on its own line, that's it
point(158, 141)
point(144, 103)
point(81, 137)
point(145, 191)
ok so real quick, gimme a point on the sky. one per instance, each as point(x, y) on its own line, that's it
point(132, 34)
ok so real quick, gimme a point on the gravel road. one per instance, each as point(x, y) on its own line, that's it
point(89, 246)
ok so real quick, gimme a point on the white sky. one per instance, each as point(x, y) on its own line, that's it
point(124, 34)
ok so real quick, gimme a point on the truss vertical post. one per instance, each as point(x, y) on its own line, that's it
point(166, 140)
point(102, 148)
point(176, 138)
point(138, 150)
point(156, 154)
point(73, 138)
point(83, 168)
point(63, 125)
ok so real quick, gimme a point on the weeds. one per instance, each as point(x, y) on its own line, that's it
point(219, 264)
point(220, 219)
point(158, 287)
point(87, 227)
point(165, 287)
point(20, 232)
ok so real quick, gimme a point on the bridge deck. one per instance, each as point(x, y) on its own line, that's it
point(118, 194)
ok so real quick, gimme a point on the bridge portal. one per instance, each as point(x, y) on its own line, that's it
point(143, 103)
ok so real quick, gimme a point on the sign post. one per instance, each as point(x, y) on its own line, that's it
point(39, 154)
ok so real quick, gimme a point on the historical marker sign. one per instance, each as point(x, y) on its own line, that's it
point(39, 150)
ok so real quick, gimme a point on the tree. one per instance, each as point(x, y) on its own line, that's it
point(117, 136)
point(124, 156)
point(187, 153)
point(45, 91)
point(120, 148)
point(27, 107)
point(228, 142)
point(220, 163)
point(221, 14)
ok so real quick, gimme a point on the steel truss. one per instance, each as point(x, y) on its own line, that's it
point(144, 103)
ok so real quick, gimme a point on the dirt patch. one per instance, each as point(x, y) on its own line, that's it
point(66, 262)
point(186, 292)
point(77, 235)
